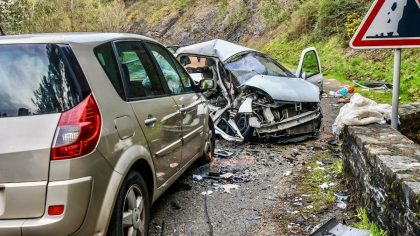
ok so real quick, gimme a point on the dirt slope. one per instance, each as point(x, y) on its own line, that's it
point(185, 22)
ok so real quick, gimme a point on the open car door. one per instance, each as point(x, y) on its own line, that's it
point(309, 67)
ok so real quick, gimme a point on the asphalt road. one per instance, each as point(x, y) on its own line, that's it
point(262, 174)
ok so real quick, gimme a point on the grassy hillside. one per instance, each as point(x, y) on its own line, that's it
point(328, 25)
point(282, 28)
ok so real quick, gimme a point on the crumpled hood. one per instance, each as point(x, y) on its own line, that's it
point(285, 89)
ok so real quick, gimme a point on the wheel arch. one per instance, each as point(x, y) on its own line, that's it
point(136, 158)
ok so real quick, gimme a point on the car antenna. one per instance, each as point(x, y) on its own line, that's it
point(2, 32)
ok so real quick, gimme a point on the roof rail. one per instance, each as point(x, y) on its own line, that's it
point(2, 32)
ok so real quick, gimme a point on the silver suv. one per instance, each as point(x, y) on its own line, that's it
point(93, 128)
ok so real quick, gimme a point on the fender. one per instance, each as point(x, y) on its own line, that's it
point(122, 167)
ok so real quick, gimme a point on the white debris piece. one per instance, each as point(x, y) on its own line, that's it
point(208, 192)
point(287, 173)
point(326, 185)
point(198, 177)
point(229, 187)
point(342, 205)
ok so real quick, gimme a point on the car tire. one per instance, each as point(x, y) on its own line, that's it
point(132, 208)
point(242, 121)
point(209, 145)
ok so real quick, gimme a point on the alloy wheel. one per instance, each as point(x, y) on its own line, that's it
point(134, 214)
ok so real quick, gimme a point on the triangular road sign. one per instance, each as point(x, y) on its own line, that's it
point(389, 24)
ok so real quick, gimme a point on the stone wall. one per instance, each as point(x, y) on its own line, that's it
point(410, 121)
point(383, 167)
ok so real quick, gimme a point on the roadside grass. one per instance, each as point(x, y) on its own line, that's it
point(316, 175)
point(345, 64)
point(365, 223)
point(322, 199)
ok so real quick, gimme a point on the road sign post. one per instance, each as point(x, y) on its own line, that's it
point(396, 88)
point(390, 24)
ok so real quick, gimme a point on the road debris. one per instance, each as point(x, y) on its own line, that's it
point(343, 100)
point(341, 205)
point(287, 173)
point(342, 196)
point(198, 177)
point(333, 142)
point(226, 175)
point(327, 162)
point(222, 153)
point(325, 186)
point(270, 198)
point(374, 85)
point(208, 192)
point(300, 219)
point(333, 227)
point(292, 225)
point(228, 187)
point(342, 92)
point(253, 217)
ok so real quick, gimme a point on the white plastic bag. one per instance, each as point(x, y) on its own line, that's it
point(361, 111)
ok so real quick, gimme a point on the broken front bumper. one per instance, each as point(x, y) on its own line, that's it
point(308, 122)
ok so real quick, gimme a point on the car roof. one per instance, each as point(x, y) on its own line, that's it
point(215, 48)
point(80, 38)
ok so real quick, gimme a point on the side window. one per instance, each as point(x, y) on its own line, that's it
point(185, 77)
point(310, 64)
point(142, 79)
point(169, 69)
point(105, 55)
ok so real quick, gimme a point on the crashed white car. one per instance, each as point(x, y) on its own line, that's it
point(255, 95)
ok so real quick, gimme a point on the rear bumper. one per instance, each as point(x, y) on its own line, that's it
point(73, 194)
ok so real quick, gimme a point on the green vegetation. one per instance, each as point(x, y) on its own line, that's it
point(328, 25)
point(365, 223)
point(317, 175)
point(32, 16)
point(322, 199)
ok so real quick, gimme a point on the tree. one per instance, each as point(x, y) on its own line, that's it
point(13, 15)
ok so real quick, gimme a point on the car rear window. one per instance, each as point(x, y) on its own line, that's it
point(39, 79)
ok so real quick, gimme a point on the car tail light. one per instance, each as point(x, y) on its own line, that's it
point(55, 210)
point(78, 131)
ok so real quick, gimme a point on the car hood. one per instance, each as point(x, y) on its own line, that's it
point(285, 89)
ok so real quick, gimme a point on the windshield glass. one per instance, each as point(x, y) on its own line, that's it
point(248, 65)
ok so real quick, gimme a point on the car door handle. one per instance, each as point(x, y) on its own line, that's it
point(150, 121)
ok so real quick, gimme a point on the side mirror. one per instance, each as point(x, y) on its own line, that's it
point(304, 75)
point(206, 85)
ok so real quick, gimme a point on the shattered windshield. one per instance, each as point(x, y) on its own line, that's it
point(248, 65)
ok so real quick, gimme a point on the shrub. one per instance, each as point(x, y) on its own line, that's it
point(303, 19)
point(13, 15)
point(273, 12)
point(353, 21)
point(333, 14)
